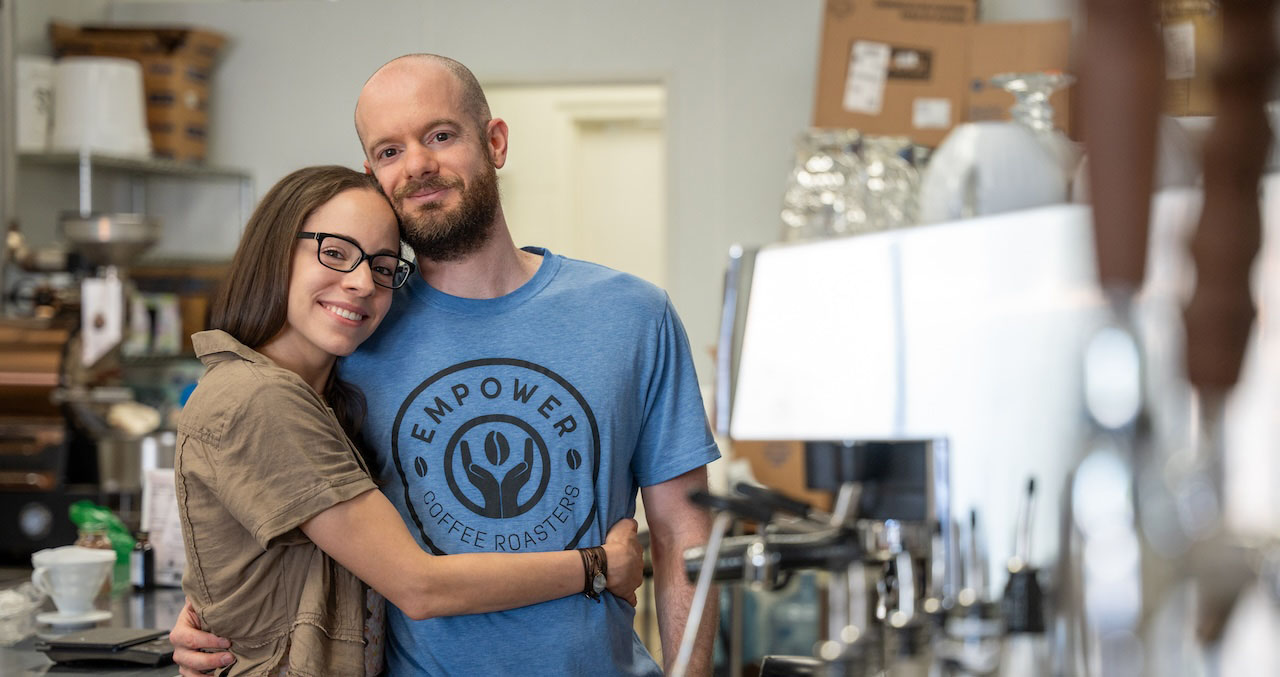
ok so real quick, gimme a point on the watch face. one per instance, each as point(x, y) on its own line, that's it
point(598, 583)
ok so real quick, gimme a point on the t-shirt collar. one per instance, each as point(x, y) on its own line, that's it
point(419, 288)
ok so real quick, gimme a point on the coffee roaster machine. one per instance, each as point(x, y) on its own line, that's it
point(61, 373)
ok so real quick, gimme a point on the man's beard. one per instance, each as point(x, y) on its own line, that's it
point(442, 235)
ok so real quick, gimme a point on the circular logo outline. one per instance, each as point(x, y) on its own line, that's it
point(487, 362)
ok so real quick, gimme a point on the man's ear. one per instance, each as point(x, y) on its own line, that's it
point(496, 141)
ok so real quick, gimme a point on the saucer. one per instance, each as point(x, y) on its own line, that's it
point(57, 618)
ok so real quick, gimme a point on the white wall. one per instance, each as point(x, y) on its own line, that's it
point(33, 16)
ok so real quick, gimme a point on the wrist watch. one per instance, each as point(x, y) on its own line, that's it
point(594, 564)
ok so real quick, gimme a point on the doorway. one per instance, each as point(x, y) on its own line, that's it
point(586, 172)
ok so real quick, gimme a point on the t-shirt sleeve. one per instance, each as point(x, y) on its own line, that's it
point(675, 437)
point(282, 462)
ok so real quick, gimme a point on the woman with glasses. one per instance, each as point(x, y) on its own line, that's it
point(281, 519)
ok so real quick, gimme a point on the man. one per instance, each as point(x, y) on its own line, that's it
point(517, 399)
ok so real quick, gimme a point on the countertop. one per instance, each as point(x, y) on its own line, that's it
point(149, 609)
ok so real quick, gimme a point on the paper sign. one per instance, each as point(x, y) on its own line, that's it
point(101, 317)
point(1180, 51)
point(868, 70)
point(931, 113)
point(161, 522)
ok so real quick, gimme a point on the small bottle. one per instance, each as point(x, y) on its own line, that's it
point(142, 563)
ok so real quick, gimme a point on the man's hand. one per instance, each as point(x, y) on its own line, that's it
point(625, 560)
point(190, 645)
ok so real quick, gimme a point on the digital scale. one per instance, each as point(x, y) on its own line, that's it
point(139, 646)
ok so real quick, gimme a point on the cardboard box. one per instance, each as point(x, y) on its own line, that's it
point(1191, 46)
point(177, 66)
point(996, 48)
point(893, 67)
point(779, 465)
point(917, 68)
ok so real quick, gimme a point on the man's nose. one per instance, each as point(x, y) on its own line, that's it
point(420, 160)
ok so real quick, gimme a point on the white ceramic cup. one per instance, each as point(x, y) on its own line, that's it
point(71, 575)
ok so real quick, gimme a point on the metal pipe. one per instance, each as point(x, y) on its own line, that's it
point(701, 592)
point(85, 169)
point(8, 136)
point(724, 342)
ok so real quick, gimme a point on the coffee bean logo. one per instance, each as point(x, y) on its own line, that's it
point(420, 464)
point(573, 458)
point(496, 448)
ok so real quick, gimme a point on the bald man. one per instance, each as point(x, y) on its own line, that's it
point(517, 400)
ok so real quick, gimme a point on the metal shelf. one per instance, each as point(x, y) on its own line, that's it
point(134, 165)
point(138, 170)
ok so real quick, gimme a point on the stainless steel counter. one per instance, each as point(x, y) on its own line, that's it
point(151, 609)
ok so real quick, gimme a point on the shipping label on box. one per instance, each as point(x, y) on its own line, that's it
point(929, 113)
point(868, 71)
point(1191, 47)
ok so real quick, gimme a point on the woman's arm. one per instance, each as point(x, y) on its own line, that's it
point(367, 536)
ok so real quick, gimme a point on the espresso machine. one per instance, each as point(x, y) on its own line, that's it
point(887, 548)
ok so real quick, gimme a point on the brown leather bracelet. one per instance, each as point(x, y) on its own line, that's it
point(594, 563)
point(586, 571)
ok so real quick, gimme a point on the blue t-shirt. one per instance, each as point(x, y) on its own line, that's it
point(527, 423)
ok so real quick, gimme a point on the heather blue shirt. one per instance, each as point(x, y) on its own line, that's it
point(527, 423)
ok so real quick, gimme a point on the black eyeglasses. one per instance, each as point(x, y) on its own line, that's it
point(342, 254)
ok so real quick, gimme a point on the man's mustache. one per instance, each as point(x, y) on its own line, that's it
point(432, 183)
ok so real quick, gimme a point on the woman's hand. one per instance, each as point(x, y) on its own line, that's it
point(194, 651)
point(625, 560)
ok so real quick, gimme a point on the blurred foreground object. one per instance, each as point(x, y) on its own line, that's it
point(1149, 568)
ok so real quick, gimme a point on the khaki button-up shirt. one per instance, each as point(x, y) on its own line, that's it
point(258, 454)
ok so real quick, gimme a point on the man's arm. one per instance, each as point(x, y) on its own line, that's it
point(675, 524)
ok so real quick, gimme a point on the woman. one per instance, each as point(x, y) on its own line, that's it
point(280, 517)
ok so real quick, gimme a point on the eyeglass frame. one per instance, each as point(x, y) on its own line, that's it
point(319, 238)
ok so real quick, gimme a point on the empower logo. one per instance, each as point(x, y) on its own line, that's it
point(497, 455)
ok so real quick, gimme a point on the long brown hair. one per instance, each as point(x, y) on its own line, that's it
point(252, 301)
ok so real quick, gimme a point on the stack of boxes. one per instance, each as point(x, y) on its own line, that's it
point(917, 68)
point(177, 65)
